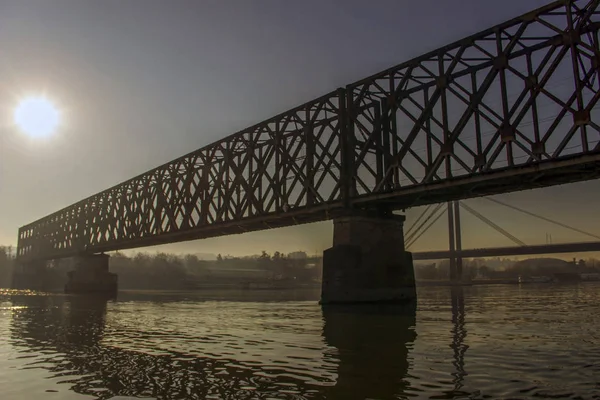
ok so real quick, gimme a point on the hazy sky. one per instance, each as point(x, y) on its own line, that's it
point(142, 82)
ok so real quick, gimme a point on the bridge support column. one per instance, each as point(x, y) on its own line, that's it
point(91, 276)
point(30, 275)
point(455, 245)
point(368, 263)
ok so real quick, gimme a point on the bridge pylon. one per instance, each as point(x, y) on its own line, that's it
point(368, 262)
point(30, 275)
point(91, 276)
point(455, 241)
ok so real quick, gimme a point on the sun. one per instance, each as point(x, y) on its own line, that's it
point(37, 116)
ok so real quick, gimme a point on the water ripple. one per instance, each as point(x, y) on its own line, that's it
point(500, 342)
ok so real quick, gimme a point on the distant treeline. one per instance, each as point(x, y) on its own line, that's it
point(7, 265)
point(169, 271)
point(510, 269)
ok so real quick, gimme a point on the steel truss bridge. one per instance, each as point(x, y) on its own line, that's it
point(510, 108)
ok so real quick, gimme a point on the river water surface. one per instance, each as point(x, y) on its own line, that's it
point(496, 342)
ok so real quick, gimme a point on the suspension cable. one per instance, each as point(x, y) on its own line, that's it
point(427, 228)
point(543, 218)
point(416, 231)
point(408, 231)
point(491, 224)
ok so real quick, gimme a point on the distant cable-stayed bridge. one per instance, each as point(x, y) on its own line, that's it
point(456, 253)
point(561, 248)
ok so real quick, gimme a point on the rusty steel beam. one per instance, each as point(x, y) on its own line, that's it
point(513, 107)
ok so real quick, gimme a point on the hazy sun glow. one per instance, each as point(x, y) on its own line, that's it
point(37, 116)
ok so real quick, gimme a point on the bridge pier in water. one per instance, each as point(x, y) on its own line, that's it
point(30, 275)
point(368, 262)
point(91, 276)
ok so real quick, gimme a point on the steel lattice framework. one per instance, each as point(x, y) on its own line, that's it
point(510, 108)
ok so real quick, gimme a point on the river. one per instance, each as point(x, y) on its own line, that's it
point(483, 342)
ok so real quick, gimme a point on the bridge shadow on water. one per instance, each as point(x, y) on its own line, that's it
point(366, 347)
point(372, 344)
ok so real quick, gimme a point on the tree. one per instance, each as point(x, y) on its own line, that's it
point(426, 272)
point(6, 266)
point(484, 271)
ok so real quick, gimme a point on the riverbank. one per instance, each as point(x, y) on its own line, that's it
point(428, 282)
point(482, 282)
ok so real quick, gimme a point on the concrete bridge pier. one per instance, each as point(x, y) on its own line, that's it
point(91, 276)
point(368, 262)
point(30, 276)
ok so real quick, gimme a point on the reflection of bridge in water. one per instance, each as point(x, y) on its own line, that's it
point(513, 107)
point(368, 353)
point(459, 334)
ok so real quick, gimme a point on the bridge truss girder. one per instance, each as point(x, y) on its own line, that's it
point(510, 108)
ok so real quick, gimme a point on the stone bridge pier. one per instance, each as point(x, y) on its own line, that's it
point(368, 262)
point(30, 275)
point(91, 276)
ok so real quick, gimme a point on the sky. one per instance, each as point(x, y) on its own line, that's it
point(143, 82)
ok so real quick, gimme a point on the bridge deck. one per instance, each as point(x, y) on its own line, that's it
point(510, 251)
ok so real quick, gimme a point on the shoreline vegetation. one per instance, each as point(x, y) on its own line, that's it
point(163, 271)
point(296, 270)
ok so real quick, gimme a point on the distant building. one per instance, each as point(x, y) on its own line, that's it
point(543, 263)
point(236, 274)
point(567, 277)
point(590, 277)
point(298, 255)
